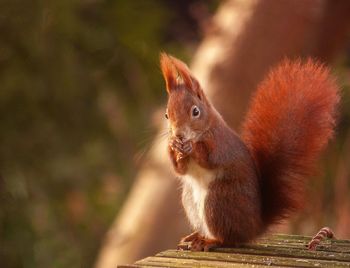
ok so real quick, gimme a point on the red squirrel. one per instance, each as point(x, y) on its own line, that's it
point(235, 187)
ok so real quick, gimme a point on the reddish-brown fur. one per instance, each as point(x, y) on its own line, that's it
point(252, 182)
point(290, 120)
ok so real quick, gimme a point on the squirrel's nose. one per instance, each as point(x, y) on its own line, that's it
point(178, 133)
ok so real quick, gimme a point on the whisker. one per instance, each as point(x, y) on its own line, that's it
point(147, 143)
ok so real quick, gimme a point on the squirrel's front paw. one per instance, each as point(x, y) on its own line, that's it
point(182, 148)
point(187, 148)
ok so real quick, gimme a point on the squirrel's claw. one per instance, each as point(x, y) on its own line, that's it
point(187, 148)
point(175, 145)
point(183, 246)
point(183, 149)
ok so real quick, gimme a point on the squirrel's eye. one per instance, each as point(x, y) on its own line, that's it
point(195, 111)
point(166, 115)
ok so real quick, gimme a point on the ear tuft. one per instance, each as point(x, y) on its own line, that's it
point(175, 72)
point(183, 71)
point(168, 70)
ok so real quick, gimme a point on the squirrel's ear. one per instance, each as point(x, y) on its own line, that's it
point(173, 69)
point(184, 72)
point(169, 71)
point(188, 79)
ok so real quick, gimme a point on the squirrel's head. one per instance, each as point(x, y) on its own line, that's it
point(188, 109)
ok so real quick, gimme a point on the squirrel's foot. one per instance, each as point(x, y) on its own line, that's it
point(185, 242)
point(325, 232)
point(203, 244)
point(190, 237)
point(196, 242)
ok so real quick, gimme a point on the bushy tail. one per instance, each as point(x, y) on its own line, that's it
point(291, 119)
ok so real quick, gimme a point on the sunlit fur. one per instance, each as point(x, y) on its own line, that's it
point(290, 120)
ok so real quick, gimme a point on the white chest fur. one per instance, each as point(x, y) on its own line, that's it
point(196, 183)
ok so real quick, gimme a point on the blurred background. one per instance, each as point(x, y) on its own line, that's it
point(82, 101)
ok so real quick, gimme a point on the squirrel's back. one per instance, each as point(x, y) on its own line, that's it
point(290, 120)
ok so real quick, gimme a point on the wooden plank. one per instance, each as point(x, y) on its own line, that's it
point(128, 266)
point(286, 237)
point(276, 250)
point(288, 252)
point(324, 246)
point(301, 242)
point(272, 249)
point(188, 263)
point(256, 258)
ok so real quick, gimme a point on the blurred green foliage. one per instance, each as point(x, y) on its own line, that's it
point(79, 83)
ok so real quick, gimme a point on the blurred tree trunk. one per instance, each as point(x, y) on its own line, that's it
point(245, 38)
